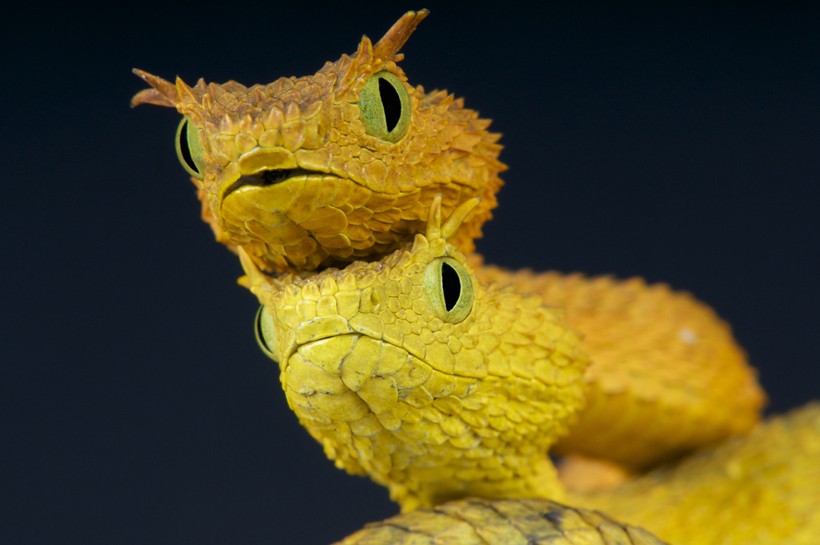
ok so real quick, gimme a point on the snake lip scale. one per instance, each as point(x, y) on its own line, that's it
point(270, 177)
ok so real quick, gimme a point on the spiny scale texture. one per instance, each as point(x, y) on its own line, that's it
point(291, 174)
point(431, 408)
point(667, 376)
point(508, 522)
point(759, 489)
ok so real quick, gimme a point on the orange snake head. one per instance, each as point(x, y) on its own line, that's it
point(324, 169)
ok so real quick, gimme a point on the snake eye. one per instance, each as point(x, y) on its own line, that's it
point(449, 289)
point(189, 148)
point(385, 107)
point(265, 333)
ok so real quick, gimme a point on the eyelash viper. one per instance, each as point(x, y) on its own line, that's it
point(349, 164)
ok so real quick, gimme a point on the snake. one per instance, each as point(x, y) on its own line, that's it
point(353, 200)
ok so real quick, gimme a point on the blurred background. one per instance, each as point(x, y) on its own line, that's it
point(679, 144)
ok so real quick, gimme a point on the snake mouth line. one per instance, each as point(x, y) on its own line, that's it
point(270, 177)
point(296, 347)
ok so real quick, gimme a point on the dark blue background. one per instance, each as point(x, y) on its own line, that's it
point(677, 144)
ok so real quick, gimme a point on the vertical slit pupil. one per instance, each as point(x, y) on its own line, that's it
point(185, 150)
point(391, 103)
point(450, 286)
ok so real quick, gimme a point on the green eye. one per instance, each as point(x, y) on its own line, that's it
point(385, 107)
point(265, 333)
point(449, 289)
point(189, 148)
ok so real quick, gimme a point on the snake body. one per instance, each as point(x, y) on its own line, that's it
point(761, 488)
point(441, 377)
point(477, 521)
point(667, 376)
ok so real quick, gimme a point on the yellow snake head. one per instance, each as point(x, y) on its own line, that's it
point(324, 169)
point(411, 371)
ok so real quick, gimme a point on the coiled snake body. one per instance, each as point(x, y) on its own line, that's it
point(441, 377)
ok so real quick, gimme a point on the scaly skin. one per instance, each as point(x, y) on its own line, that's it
point(756, 490)
point(508, 522)
point(667, 375)
point(355, 195)
point(362, 354)
point(430, 403)
point(369, 335)
point(763, 488)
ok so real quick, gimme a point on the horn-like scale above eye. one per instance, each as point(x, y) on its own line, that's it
point(265, 333)
point(448, 289)
point(385, 107)
point(189, 148)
